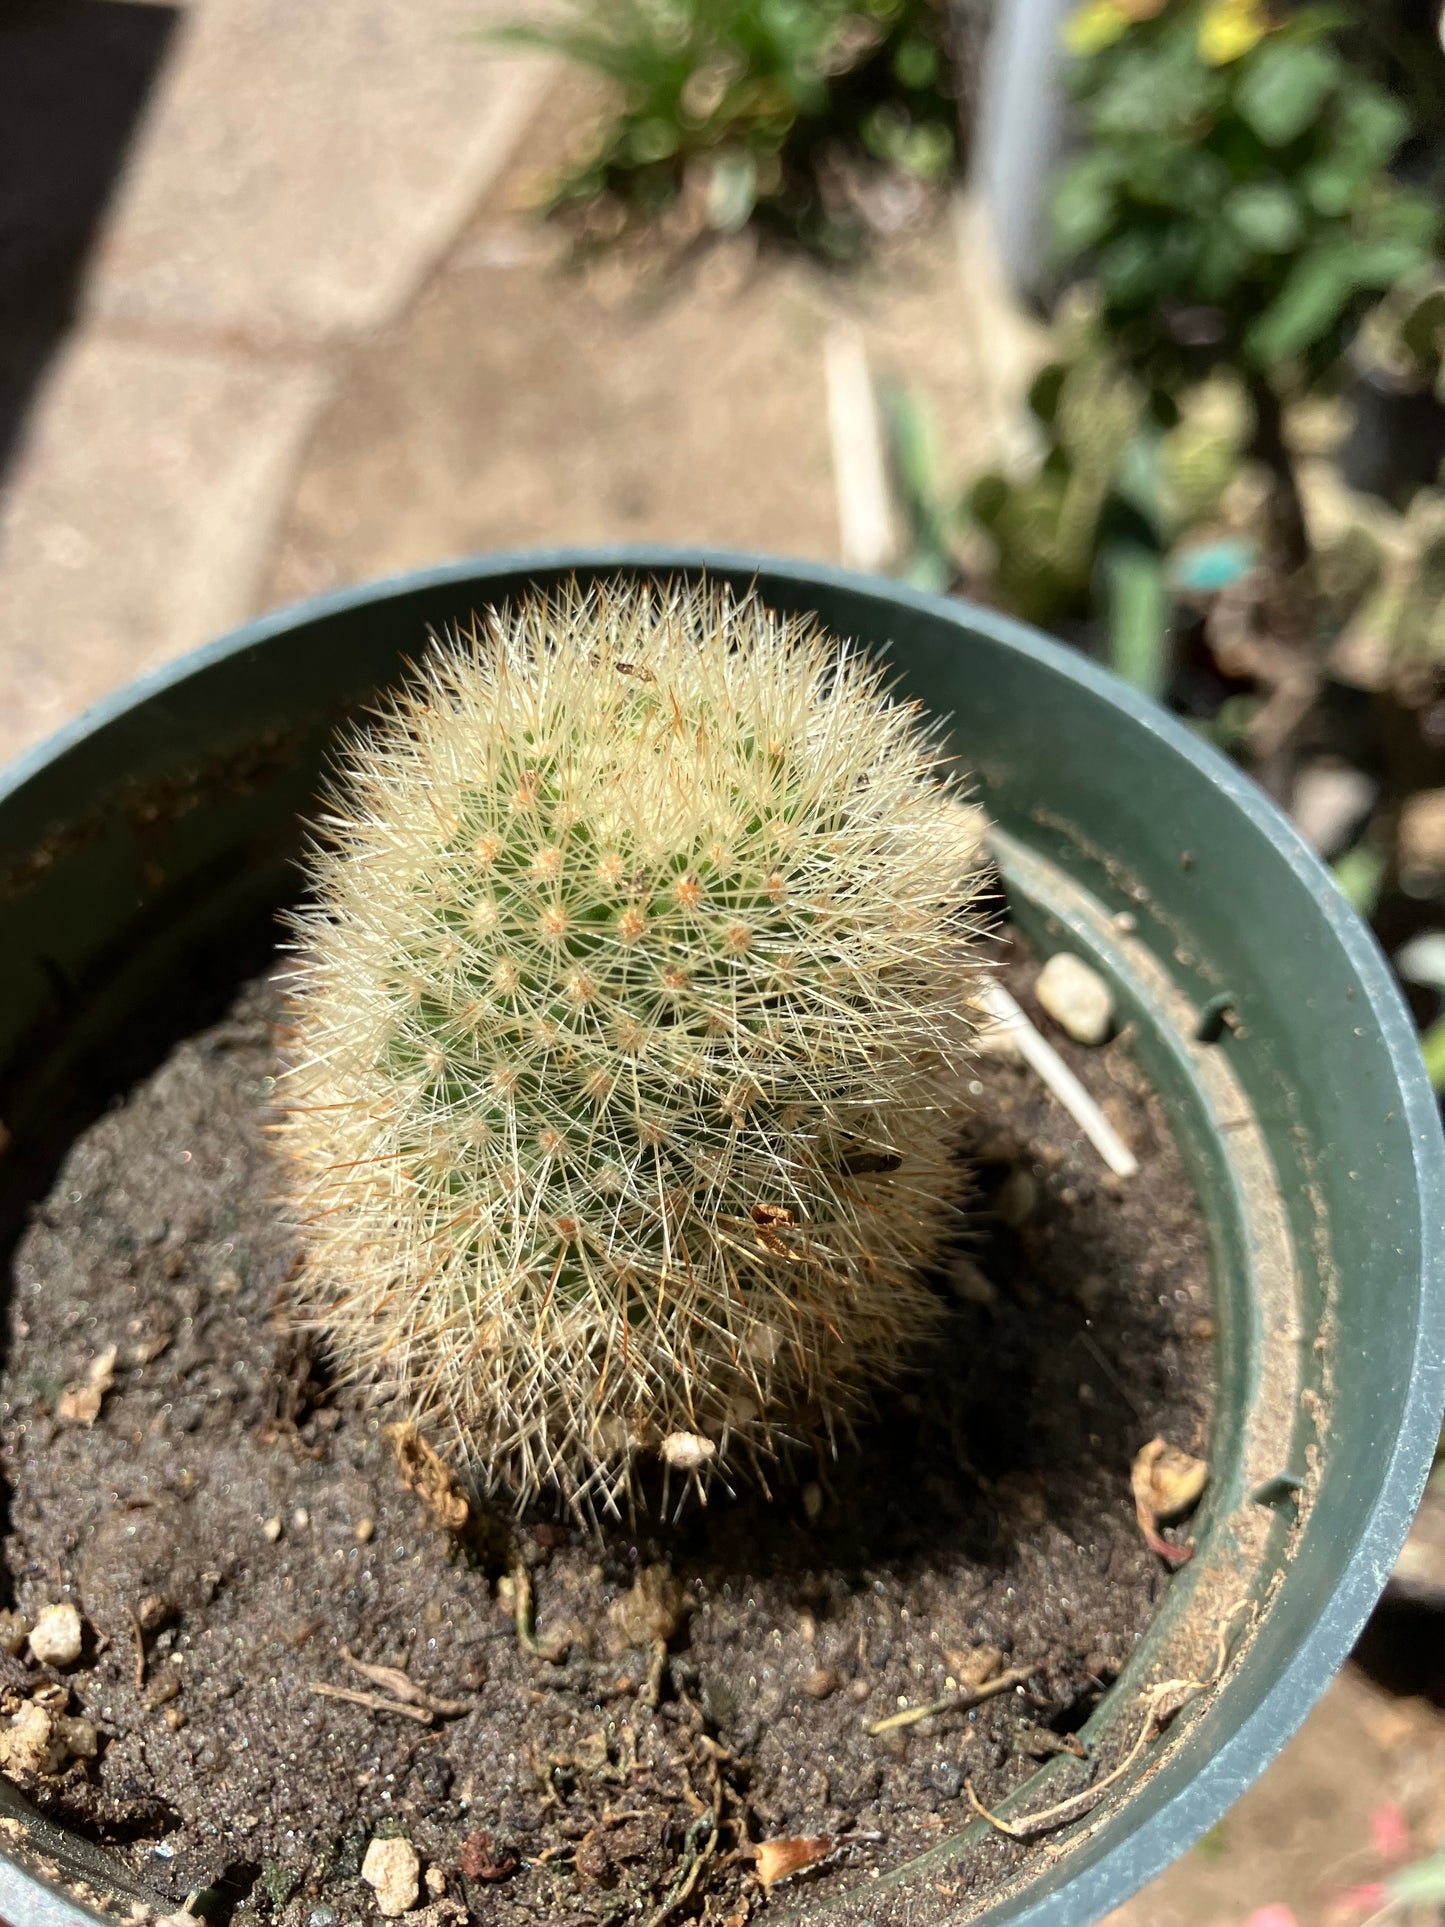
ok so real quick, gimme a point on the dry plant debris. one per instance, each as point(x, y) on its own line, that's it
point(775, 1860)
point(80, 1404)
point(655, 1608)
point(1166, 1483)
point(1011, 1020)
point(401, 1687)
point(426, 1473)
point(953, 1702)
point(482, 1859)
point(1164, 1701)
point(374, 1702)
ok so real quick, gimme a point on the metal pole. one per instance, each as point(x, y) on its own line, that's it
point(1022, 133)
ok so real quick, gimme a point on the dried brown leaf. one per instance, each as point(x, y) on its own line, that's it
point(481, 1859)
point(424, 1471)
point(1166, 1482)
point(776, 1860)
point(653, 1610)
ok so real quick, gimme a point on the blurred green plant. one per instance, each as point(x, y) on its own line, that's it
point(1107, 519)
point(1423, 1881)
point(1233, 203)
point(1404, 336)
point(774, 109)
point(1421, 962)
point(1432, 1046)
point(929, 506)
point(1360, 873)
point(1102, 524)
point(1049, 526)
point(1386, 587)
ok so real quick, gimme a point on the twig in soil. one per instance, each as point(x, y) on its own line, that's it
point(1100, 1358)
point(375, 1702)
point(138, 1640)
point(401, 1687)
point(523, 1618)
point(1039, 1054)
point(696, 1852)
point(656, 1672)
point(1039, 1741)
point(1221, 1654)
point(1165, 1701)
point(522, 1610)
point(952, 1702)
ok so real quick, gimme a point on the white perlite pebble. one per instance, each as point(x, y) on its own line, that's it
point(686, 1451)
point(55, 1636)
point(1076, 997)
point(29, 1743)
point(393, 1869)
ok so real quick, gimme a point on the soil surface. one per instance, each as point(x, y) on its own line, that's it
point(237, 1537)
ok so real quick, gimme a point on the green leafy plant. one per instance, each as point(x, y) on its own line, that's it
point(1048, 526)
point(1232, 203)
point(623, 1102)
point(773, 108)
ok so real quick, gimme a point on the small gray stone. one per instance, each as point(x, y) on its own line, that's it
point(1076, 997)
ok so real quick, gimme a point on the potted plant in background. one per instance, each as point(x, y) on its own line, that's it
point(825, 124)
point(1233, 205)
point(1396, 441)
point(1236, 577)
point(145, 853)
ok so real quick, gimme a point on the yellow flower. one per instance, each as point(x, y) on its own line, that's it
point(1229, 29)
point(1095, 25)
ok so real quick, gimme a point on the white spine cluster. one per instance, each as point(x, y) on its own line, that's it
point(627, 1015)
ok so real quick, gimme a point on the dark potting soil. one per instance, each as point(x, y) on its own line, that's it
point(237, 1537)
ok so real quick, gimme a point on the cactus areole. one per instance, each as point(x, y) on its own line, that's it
point(630, 999)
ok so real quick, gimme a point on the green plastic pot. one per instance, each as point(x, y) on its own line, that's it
point(144, 850)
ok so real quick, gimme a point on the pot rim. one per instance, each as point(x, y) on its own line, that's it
point(1161, 1837)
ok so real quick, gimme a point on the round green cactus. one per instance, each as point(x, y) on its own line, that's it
point(628, 1008)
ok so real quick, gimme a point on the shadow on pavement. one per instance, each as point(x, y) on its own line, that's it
point(1402, 1648)
point(74, 79)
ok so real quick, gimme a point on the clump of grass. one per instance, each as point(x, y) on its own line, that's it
point(786, 111)
point(627, 1018)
